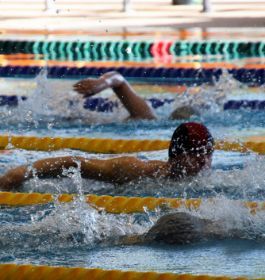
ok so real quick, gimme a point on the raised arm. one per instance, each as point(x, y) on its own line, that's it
point(136, 106)
point(116, 170)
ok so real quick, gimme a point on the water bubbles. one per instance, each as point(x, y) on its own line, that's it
point(74, 173)
point(50, 125)
point(70, 225)
point(46, 103)
point(29, 116)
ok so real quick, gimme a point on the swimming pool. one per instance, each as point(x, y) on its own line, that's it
point(72, 235)
point(78, 235)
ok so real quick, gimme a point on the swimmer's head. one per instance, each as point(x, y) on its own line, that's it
point(190, 149)
point(178, 228)
point(184, 112)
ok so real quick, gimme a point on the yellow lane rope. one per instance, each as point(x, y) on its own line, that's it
point(113, 204)
point(255, 144)
point(81, 143)
point(31, 272)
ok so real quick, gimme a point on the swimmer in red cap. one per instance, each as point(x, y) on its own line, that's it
point(190, 151)
point(135, 105)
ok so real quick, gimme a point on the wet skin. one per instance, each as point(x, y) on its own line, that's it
point(115, 170)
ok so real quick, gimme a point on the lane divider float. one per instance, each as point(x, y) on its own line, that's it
point(117, 204)
point(160, 75)
point(117, 146)
point(131, 50)
point(27, 272)
point(100, 104)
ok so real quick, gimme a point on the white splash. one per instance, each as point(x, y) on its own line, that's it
point(71, 224)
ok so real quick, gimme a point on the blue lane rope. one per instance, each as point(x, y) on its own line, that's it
point(181, 76)
point(100, 104)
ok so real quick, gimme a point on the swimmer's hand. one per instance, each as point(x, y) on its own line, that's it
point(90, 87)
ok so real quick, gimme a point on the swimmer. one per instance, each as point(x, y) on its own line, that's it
point(181, 228)
point(190, 151)
point(178, 228)
point(135, 105)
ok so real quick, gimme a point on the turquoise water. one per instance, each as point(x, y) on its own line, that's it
point(78, 235)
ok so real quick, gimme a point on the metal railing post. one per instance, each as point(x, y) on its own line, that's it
point(126, 6)
point(207, 7)
point(49, 5)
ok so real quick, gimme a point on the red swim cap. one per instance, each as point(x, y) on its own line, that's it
point(192, 138)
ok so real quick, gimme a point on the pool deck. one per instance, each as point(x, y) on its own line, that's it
point(81, 17)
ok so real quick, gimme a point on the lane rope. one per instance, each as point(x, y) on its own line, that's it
point(180, 76)
point(116, 204)
point(30, 272)
point(117, 146)
point(131, 50)
point(100, 104)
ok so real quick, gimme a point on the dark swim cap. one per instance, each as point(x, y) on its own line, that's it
point(190, 138)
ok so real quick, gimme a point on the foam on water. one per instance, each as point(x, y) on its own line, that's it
point(48, 105)
point(70, 225)
point(208, 99)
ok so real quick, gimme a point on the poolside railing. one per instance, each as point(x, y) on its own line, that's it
point(81, 6)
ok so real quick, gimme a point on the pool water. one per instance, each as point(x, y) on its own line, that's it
point(79, 235)
point(53, 108)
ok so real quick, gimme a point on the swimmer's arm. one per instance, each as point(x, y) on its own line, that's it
point(116, 170)
point(136, 105)
point(121, 169)
point(49, 167)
